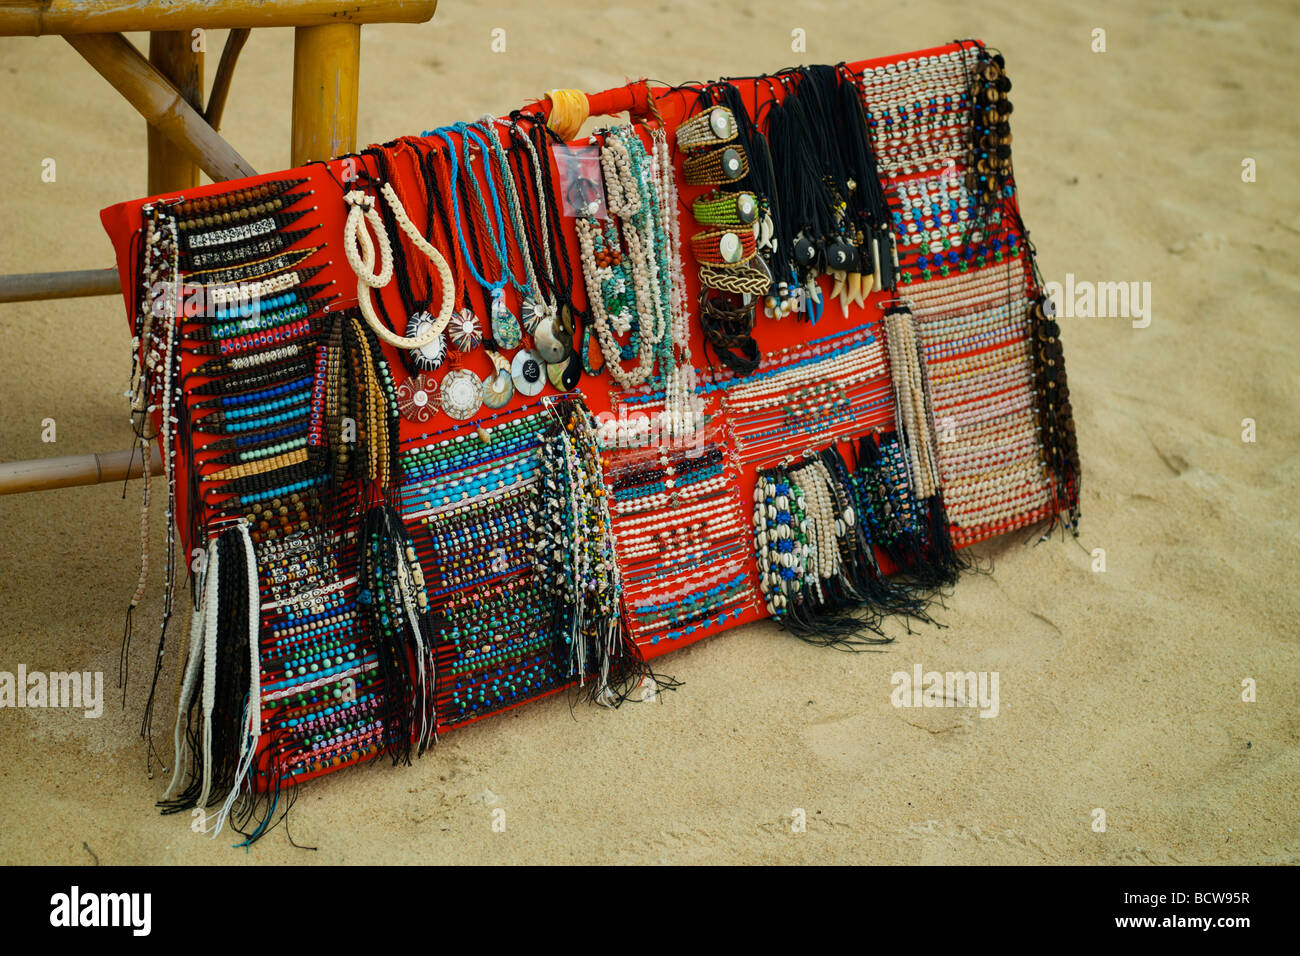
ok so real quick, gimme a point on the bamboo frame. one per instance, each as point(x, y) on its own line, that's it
point(69, 471)
point(235, 41)
point(167, 90)
point(39, 286)
point(158, 101)
point(326, 61)
point(66, 17)
point(173, 55)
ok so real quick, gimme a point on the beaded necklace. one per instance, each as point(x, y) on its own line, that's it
point(627, 294)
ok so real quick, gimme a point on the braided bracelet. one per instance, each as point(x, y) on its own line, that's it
point(721, 247)
point(715, 166)
point(711, 128)
point(737, 279)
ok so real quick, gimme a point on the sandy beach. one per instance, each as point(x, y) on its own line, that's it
point(1120, 689)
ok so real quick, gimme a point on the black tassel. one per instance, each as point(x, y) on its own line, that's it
point(391, 593)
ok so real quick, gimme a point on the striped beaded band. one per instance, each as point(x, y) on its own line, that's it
point(721, 247)
point(717, 208)
point(716, 166)
point(711, 128)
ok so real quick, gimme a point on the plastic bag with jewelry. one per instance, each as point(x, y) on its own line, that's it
point(582, 186)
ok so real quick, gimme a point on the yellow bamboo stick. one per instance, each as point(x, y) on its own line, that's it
point(35, 286)
point(326, 62)
point(68, 471)
point(64, 17)
point(173, 55)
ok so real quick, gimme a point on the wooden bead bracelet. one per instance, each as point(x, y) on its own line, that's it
point(716, 166)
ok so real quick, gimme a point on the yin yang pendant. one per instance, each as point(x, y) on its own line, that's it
point(805, 250)
point(528, 371)
point(432, 355)
point(842, 256)
point(550, 343)
point(461, 394)
point(564, 321)
point(564, 376)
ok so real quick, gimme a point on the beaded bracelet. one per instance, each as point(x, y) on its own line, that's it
point(224, 204)
point(719, 247)
point(718, 208)
point(716, 166)
point(235, 254)
point(713, 127)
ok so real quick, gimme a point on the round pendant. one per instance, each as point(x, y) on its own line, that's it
point(432, 355)
point(731, 167)
point(417, 398)
point(842, 255)
point(498, 389)
point(461, 394)
point(720, 123)
point(805, 250)
point(465, 331)
point(528, 373)
point(729, 248)
point(549, 343)
point(564, 376)
point(746, 208)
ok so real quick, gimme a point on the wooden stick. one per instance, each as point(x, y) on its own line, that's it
point(36, 286)
point(66, 17)
point(173, 55)
point(160, 103)
point(326, 62)
point(235, 41)
point(46, 474)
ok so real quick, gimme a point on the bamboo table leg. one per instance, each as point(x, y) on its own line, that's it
point(173, 53)
point(326, 61)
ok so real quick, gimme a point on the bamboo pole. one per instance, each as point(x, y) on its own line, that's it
point(326, 61)
point(65, 17)
point(69, 471)
point(160, 103)
point(36, 286)
point(235, 41)
point(172, 53)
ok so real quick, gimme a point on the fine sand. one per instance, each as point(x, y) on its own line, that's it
point(1119, 690)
